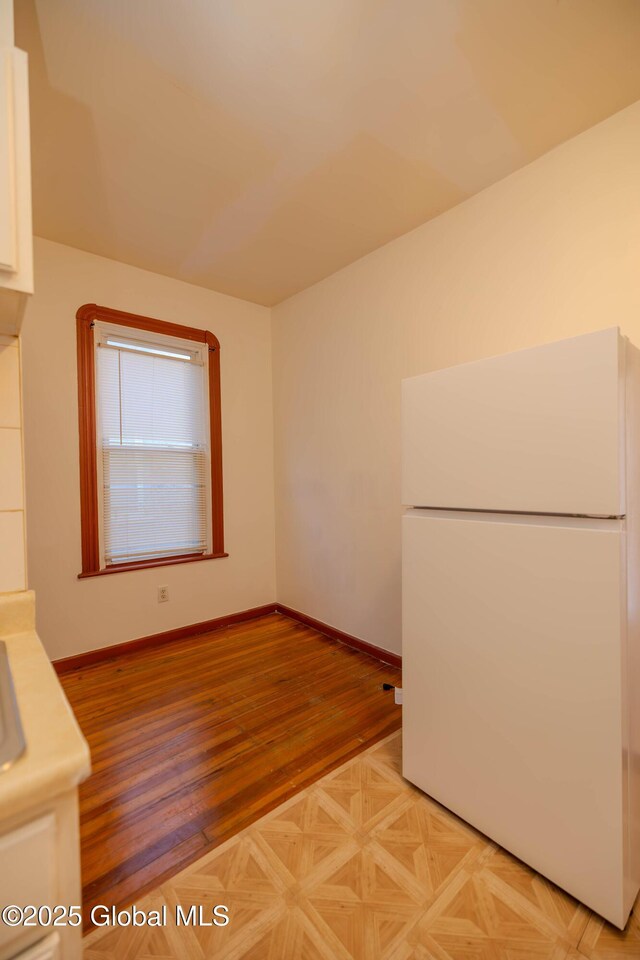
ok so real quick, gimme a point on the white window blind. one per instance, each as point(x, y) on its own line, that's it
point(153, 446)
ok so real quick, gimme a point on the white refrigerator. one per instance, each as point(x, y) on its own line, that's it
point(521, 635)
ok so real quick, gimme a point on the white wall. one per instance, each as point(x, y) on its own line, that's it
point(552, 251)
point(76, 615)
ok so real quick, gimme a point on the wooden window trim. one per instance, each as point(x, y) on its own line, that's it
point(86, 317)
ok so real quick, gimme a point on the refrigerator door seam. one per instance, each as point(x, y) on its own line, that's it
point(520, 513)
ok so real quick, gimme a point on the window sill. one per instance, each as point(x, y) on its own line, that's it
point(145, 564)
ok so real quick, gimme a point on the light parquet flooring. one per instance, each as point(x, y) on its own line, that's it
point(363, 866)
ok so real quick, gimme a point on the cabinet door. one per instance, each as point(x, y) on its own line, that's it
point(16, 239)
point(7, 163)
point(27, 877)
point(47, 949)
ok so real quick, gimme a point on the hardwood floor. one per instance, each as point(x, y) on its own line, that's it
point(193, 741)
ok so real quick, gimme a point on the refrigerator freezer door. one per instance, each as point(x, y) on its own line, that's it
point(513, 639)
point(538, 431)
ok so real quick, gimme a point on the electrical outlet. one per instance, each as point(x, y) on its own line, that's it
point(163, 594)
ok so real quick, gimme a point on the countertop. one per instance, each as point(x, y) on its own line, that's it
point(57, 755)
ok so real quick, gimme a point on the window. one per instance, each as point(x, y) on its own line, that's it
point(150, 442)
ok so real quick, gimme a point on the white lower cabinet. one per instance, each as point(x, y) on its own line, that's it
point(27, 856)
point(39, 867)
point(47, 949)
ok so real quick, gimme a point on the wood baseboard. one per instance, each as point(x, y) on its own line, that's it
point(157, 639)
point(386, 656)
point(87, 659)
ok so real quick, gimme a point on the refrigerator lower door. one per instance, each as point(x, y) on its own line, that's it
point(513, 665)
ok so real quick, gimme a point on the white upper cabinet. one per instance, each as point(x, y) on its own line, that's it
point(537, 431)
point(16, 244)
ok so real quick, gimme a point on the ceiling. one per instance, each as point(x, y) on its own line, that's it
point(255, 147)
